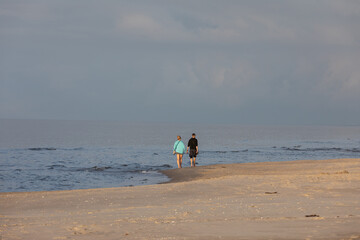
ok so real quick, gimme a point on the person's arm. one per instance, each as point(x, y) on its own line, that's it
point(197, 148)
point(187, 149)
point(174, 148)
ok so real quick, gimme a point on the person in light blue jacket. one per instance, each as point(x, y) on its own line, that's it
point(179, 150)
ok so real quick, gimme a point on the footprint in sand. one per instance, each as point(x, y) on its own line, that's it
point(79, 230)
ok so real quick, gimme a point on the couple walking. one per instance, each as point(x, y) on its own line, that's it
point(179, 150)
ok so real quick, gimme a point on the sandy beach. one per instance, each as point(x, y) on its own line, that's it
point(275, 200)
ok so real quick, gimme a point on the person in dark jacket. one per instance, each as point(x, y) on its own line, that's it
point(194, 149)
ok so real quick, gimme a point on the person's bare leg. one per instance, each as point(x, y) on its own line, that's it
point(194, 161)
point(181, 160)
point(178, 160)
point(191, 161)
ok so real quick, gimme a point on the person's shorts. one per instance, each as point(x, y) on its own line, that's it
point(192, 153)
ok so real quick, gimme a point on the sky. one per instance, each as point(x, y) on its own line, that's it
point(203, 61)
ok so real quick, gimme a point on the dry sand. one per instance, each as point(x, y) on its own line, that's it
point(236, 201)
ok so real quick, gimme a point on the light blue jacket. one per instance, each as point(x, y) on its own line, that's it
point(179, 147)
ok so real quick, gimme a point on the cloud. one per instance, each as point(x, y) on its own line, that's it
point(348, 8)
point(343, 76)
point(194, 28)
point(243, 22)
point(142, 60)
point(140, 25)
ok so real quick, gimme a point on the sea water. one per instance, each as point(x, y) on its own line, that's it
point(43, 155)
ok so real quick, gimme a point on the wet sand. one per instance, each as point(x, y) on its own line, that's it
point(279, 200)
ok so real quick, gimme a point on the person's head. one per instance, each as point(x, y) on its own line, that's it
point(193, 135)
point(178, 138)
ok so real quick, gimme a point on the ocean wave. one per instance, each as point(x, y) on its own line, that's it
point(42, 149)
point(94, 169)
point(332, 149)
point(72, 149)
point(56, 166)
point(54, 148)
point(129, 168)
point(229, 151)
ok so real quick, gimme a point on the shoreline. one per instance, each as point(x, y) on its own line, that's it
point(304, 199)
point(188, 174)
